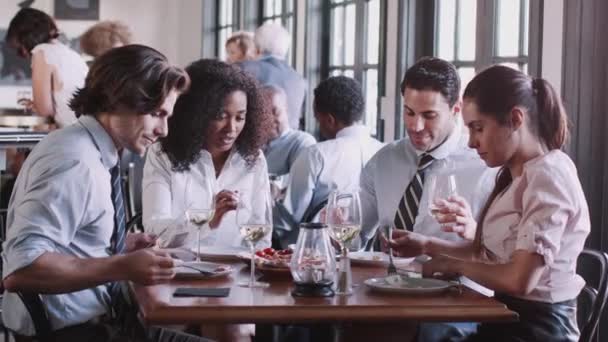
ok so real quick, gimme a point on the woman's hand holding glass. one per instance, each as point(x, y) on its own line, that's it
point(455, 215)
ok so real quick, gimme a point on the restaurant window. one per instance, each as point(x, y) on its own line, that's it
point(354, 48)
point(475, 34)
point(227, 23)
point(281, 12)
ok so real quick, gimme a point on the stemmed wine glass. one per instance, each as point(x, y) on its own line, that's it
point(441, 187)
point(199, 218)
point(254, 219)
point(200, 210)
point(344, 221)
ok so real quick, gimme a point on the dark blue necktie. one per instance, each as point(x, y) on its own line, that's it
point(117, 242)
point(120, 232)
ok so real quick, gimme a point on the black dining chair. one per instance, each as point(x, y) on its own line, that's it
point(592, 266)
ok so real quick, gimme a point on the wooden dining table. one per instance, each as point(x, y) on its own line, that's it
point(275, 304)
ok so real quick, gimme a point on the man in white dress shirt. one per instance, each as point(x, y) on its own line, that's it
point(434, 128)
point(337, 162)
point(395, 182)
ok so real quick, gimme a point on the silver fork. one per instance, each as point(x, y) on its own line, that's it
point(387, 230)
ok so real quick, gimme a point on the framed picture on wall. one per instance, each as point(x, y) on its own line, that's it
point(76, 9)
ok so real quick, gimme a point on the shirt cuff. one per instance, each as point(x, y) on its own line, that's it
point(535, 240)
point(23, 253)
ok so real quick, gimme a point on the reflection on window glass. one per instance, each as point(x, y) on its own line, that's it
point(508, 28)
point(277, 7)
point(268, 6)
point(447, 27)
point(466, 30)
point(526, 28)
point(337, 45)
point(371, 97)
point(349, 35)
point(466, 75)
point(373, 32)
point(354, 50)
point(224, 34)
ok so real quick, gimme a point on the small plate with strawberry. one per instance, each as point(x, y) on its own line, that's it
point(269, 260)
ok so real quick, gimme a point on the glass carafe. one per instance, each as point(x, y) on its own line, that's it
point(313, 263)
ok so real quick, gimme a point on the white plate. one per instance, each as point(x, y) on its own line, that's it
point(220, 253)
point(407, 285)
point(379, 259)
point(188, 270)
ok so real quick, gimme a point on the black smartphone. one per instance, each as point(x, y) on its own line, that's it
point(201, 292)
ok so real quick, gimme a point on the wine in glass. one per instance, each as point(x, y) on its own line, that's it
point(199, 219)
point(344, 220)
point(254, 218)
point(24, 101)
point(441, 187)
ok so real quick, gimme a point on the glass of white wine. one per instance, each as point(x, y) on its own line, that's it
point(441, 187)
point(199, 219)
point(254, 219)
point(344, 220)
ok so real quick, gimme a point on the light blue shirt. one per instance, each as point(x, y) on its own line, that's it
point(282, 152)
point(61, 203)
point(386, 176)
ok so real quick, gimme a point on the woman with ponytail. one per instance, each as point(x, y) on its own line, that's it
point(536, 220)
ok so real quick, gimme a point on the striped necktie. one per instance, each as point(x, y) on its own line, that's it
point(117, 243)
point(120, 232)
point(408, 206)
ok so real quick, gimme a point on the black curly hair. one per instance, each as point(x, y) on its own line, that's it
point(211, 82)
point(342, 97)
point(431, 73)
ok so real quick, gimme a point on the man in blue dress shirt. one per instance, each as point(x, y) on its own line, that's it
point(66, 238)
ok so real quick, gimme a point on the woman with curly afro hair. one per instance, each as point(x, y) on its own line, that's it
point(211, 153)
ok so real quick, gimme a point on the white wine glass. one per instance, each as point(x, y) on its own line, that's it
point(199, 219)
point(254, 218)
point(344, 221)
point(441, 187)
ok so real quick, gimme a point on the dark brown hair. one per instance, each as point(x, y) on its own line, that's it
point(103, 36)
point(30, 27)
point(496, 91)
point(431, 73)
point(212, 82)
point(136, 77)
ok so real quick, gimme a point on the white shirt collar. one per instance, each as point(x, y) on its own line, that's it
point(102, 139)
point(352, 131)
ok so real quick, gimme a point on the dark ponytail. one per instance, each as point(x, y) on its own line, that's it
point(496, 91)
point(553, 127)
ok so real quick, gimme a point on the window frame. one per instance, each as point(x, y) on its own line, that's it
point(359, 67)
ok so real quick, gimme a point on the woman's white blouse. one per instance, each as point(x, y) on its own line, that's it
point(543, 211)
point(167, 194)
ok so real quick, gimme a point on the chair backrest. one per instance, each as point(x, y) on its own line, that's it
point(592, 266)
